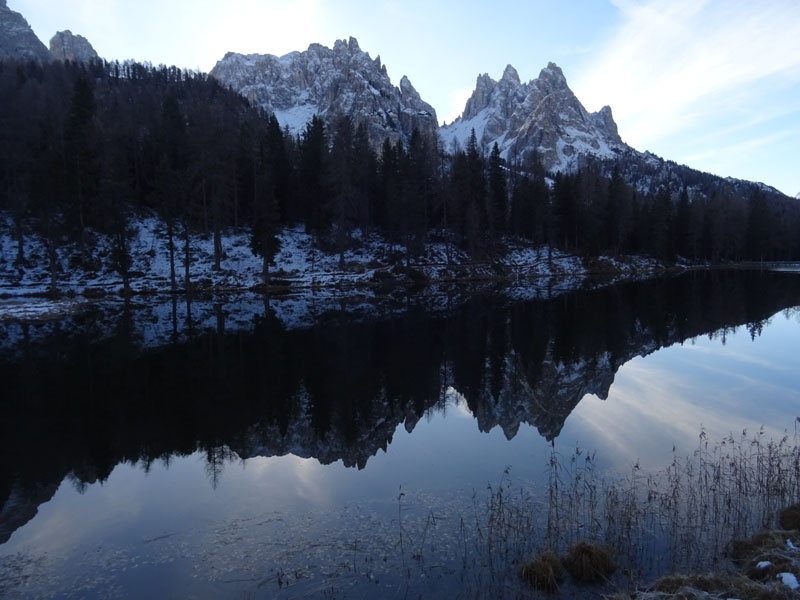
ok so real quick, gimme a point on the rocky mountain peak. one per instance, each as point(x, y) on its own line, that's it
point(17, 39)
point(604, 120)
point(510, 75)
point(481, 97)
point(553, 70)
point(542, 115)
point(408, 90)
point(64, 46)
point(343, 80)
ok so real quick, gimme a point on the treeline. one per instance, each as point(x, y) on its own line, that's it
point(85, 146)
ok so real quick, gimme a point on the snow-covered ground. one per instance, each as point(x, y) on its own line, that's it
point(371, 263)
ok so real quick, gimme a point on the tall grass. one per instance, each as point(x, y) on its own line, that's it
point(680, 518)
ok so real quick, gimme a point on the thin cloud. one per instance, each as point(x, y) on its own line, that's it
point(746, 147)
point(670, 59)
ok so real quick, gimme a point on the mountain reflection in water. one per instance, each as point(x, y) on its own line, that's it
point(335, 387)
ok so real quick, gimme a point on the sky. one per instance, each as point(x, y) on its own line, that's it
point(714, 84)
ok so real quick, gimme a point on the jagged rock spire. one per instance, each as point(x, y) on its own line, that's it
point(542, 115)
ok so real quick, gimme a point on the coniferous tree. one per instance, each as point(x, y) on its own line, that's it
point(264, 240)
point(281, 170)
point(172, 177)
point(365, 179)
point(341, 206)
point(417, 173)
point(682, 225)
point(661, 225)
point(498, 194)
point(475, 218)
point(81, 156)
point(313, 175)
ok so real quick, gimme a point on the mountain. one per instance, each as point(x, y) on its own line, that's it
point(66, 46)
point(17, 40)
point(542, 115)
point(328, 82)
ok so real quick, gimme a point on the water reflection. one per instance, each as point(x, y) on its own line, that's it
point(85, 396)
point(666, 398)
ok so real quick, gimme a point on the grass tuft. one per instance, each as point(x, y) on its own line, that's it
point(717, 586)
point(543, 572)
point(790, 517)
point(760, 542)
point(589, 563)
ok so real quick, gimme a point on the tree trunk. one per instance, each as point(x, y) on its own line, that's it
point(205, 208)
point(51, 248)
point(220, 323)
point(217, 237)
point(126, 283)
point(171, 246)
point(20, 261)
point(187, 255)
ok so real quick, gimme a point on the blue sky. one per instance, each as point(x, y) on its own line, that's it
point(714, 84)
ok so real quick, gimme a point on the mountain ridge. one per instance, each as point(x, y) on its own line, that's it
point(343, 80)
point(542, 116)
point(541, 119)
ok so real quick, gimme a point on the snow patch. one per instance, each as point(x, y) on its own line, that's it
point(789, 580)
point(297, 117)
point(460, 130)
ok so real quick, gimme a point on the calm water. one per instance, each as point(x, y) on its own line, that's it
point(296, 447)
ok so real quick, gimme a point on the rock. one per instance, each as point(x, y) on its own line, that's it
point(65, 46)
point(328, 82)
point(17, 39)
point(542, 115)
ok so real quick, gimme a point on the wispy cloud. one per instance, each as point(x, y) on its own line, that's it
point(746, 147)
point(673, 64)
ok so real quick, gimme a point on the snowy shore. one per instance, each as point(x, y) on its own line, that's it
point(371, 266)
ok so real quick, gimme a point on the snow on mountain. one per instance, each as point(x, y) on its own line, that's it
point(342, 80)
point(542, 115)
point(17, 39)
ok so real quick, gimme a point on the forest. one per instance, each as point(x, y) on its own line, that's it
point(88, 147)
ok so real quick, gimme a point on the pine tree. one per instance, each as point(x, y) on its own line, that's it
point(475, 213)
point(682, 225)
point(264, 240)
point(340, 207)
point(81, 157)
point(498, 194)
point(313, 175)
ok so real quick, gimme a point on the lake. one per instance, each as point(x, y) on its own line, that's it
point(407, 445)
